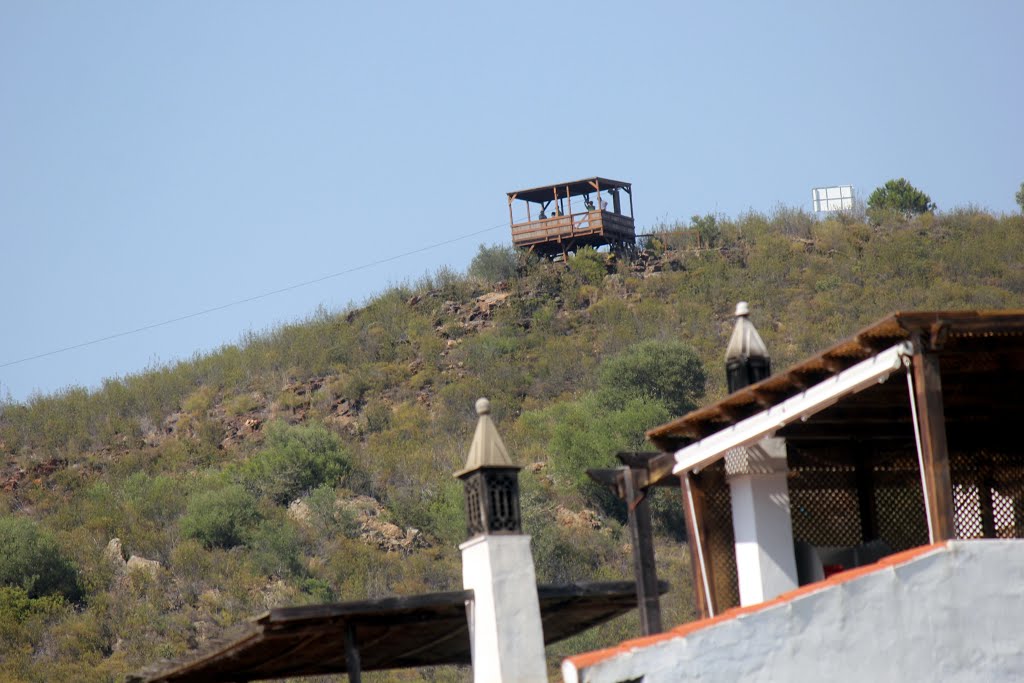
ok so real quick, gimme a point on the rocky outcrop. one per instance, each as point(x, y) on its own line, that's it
point(373, 528)
point(141, 564)
point(114, 553)
point(584, 519)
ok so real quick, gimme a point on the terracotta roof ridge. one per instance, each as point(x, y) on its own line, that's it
point(586, 659)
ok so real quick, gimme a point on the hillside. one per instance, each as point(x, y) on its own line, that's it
point(313, 463)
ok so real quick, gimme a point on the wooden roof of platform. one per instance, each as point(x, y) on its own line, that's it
point(391, 633)
point(981, 356)
point(576, 187)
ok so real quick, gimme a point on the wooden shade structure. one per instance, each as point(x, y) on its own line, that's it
point(563, 217)
point(388, 633)
point(931, 453)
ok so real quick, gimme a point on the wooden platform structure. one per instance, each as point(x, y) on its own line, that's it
point(387, 633)
point(561, 218)
point(929, 451)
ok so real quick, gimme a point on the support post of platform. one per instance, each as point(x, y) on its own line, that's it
point(703, 580)
point(352, 664)
point(934, 450)
point(639, 515)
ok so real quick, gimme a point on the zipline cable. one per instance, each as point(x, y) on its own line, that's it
point(250, 299)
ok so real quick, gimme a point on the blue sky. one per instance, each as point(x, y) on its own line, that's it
point(161, 159)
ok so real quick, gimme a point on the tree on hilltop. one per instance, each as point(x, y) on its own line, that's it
point(1020, 197)
point(900, 196)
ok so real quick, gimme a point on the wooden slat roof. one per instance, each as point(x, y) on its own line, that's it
point(981, 356)
point(400, 632)
point(576, 187)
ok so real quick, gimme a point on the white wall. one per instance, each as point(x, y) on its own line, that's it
point(953, 614)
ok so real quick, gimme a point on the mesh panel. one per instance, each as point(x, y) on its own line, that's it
point(899, 503)
point(824, 506)
point(987, 495)
point(827, 509)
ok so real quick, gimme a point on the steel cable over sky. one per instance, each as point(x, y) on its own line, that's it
point(249, 299)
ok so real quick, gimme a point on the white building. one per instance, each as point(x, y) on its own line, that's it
point(851, 475)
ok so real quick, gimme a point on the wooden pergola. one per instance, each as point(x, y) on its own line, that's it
point(563, 217)
point(371, 635)
point(903, 434)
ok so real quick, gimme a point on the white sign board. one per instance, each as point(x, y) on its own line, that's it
point(838, 198)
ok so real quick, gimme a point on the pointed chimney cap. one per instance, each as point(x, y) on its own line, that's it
point(745, 341)
point(487, 449)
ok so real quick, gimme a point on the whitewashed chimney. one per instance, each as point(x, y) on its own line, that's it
point(762, 526)
point(506, 633)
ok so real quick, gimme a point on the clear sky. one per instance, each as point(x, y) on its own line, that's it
point(158, 159)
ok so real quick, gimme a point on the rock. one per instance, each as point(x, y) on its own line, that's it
point(171, 423)
point(276, 594)
point(114, 552)
point(584, 519)
point(136, 563)
point(486, 303)
point(390, 537)
point(299, 511)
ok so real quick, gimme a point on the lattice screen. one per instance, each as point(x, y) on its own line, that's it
point(988, 494)
point(826, 509)
point(824, 506)
point(719, 536)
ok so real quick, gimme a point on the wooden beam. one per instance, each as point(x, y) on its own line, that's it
point(655, 469)
point(693, 508)
point(612, 479)
point(639, 513)
point(935, 478)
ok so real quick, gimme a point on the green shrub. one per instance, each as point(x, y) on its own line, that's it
point(667, 371)
point(900, 196)
point(327, 518)
point(295, 460)
point(221, 518)
point(579, 435)
point(318, 590)
point(589, 265)
point(378, 417)
point(31, 560)
point(708, 230)
point(243, 403)
point(494, 264)
point(276, 548)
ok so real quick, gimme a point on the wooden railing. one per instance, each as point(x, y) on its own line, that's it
point(560, 228)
